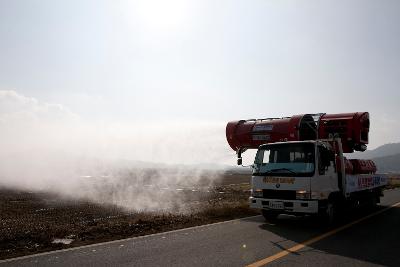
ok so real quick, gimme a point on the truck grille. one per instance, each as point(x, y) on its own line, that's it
point(279, 194)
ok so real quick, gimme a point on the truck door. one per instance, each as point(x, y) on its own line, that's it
point(325, 179)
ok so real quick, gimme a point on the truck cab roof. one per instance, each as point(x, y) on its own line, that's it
point(289, 142)
point(319, 141)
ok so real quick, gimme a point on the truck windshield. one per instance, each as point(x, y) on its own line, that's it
point(289, 159)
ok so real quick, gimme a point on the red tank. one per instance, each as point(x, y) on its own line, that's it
point(352, 128)
point(362, 166)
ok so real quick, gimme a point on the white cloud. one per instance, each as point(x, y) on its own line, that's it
point(16, 106)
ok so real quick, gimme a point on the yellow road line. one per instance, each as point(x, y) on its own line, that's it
point(315, 239)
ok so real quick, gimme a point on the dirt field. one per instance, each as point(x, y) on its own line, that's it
point(33, 222)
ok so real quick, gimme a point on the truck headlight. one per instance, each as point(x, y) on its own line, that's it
point(303, 194)
point(256, 192)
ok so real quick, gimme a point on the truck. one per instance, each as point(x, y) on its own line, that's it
point(300, 167)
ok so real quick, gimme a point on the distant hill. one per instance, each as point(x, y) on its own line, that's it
point(388, 163)
point(381, 151)
point(386, 157)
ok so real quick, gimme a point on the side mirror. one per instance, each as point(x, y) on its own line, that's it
point(239, 156)
point(325, 161)
point(321, 168)
point(327, 157)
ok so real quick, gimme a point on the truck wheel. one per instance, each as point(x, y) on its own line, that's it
point(372, 202)
point(270, 215)
point(331, 215)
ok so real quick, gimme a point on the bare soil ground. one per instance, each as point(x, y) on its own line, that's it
point(31, 221)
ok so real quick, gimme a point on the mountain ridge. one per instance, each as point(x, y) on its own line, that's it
point(388, 149)
point(386, 157)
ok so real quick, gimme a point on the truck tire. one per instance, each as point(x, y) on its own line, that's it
point(372, 202)
point(330, 215)
point(270, 215)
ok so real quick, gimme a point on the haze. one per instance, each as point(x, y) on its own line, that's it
point(153, 61)
point(156, 81)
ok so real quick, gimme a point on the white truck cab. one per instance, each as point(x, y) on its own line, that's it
point(307, 177)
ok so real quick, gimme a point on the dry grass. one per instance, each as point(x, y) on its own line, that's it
point(393, 180)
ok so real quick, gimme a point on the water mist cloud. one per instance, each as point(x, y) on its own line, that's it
point(137, 165)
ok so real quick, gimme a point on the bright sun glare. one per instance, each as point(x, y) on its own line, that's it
point(161, 14)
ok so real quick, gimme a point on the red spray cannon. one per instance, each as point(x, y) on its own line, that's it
point(352, 128)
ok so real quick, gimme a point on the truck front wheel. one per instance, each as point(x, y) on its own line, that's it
point(330, 214)
point(270, 215)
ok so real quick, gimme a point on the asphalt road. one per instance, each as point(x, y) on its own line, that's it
point(371, 242)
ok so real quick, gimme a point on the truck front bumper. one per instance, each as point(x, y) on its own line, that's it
point(285, 206)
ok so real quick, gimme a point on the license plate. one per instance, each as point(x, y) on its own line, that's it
point(276, 205)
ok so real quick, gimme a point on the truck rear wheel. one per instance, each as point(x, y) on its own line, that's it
point(270, 215)
point(372, 202)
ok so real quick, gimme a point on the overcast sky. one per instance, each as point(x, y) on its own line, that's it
point(160, 61)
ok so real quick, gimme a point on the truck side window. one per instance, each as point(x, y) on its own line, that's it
point(266, 158)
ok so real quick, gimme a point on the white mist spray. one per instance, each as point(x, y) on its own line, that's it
point(139, 166)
